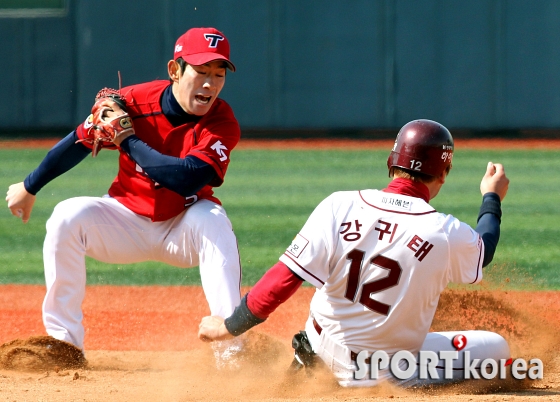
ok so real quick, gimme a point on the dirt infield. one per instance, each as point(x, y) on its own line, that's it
point(141, 344)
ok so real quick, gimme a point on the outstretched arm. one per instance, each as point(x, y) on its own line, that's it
point(495, 180)
point(61, 158)
point(20, 202)
point(494, 187)
point(276, 286)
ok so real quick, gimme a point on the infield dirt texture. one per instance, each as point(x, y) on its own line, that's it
point(141, 341)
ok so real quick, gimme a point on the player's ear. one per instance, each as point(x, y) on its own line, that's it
point(174, 70)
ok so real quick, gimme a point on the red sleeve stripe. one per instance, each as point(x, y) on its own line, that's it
point(304, 270)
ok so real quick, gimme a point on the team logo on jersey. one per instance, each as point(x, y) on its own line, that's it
point(89, 122)
point(214, 39)
point(297, 246)
point(139, 169)
point(220, 148)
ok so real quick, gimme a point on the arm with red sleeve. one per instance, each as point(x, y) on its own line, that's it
point(276, 286)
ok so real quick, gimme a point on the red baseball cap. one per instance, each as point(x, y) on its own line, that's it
point(198, 46)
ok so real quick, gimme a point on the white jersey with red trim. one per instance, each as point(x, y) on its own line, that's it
point(380, 261)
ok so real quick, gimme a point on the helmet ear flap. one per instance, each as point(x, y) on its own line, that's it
point(392, 161)
point(422, 146)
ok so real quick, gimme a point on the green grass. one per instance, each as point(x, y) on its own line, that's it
point(268, 195)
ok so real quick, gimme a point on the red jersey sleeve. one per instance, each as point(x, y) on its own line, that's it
point(276, 286)
point(217, 134)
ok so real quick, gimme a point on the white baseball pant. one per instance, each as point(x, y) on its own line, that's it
point(104, 229)
point(481, 345)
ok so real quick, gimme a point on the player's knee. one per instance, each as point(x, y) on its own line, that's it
point(66, 215)
point(211, 219)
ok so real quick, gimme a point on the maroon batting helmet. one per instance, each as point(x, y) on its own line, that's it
point(423, 146)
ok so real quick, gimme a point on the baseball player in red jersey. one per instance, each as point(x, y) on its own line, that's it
point(160, 206)
point(379, 261)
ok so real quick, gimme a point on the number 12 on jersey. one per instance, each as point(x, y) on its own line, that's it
point(356, 258)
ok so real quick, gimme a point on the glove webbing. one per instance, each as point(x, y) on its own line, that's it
point(114, 94)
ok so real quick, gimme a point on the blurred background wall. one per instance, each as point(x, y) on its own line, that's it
point(346, 66)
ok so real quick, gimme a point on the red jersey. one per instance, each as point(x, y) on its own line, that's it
point(211, 139)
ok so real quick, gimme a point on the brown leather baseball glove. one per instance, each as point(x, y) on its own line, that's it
point(110, 121)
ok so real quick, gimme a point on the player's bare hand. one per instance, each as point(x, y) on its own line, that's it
point(495, 180)
point(212, 328)
point(20, 202)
